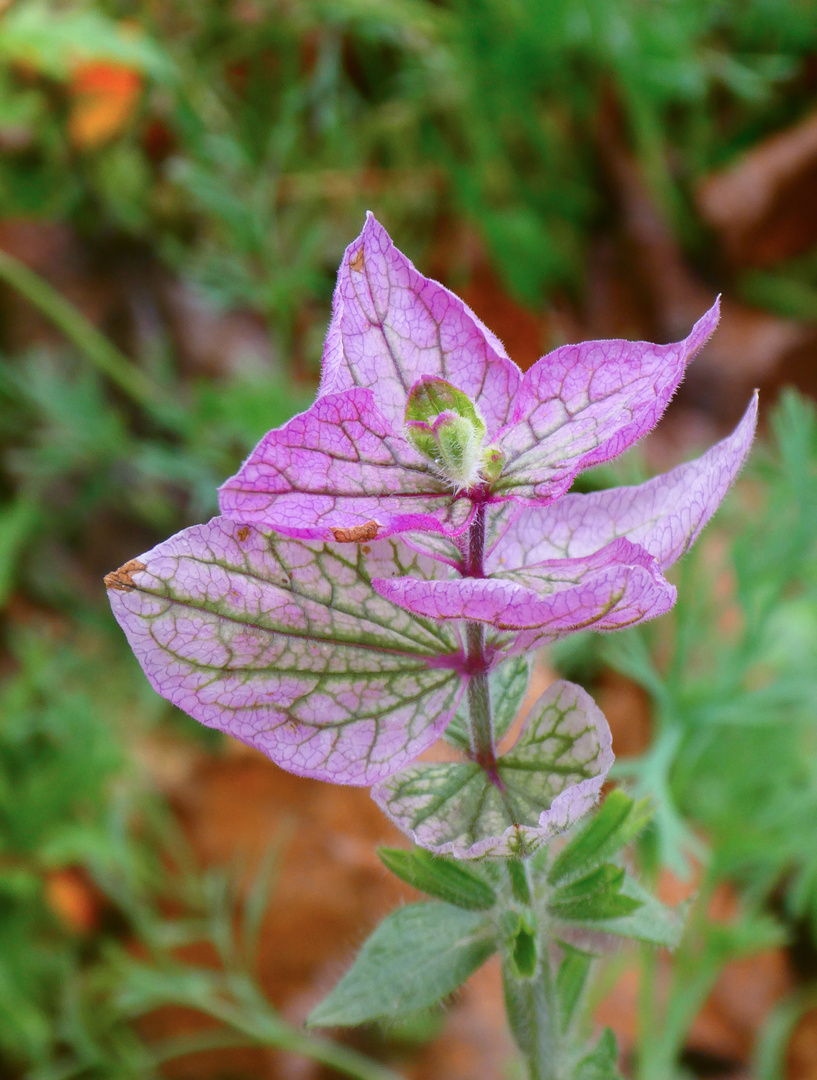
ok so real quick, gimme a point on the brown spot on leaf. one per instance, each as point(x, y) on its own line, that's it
point(357, 534)
point(122, 579)
point(243, 533)
point(356, 261)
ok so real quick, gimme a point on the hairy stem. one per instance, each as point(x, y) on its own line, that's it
point(529, 997)
point(474, 561)
point(480, 718)
point(530, 1000)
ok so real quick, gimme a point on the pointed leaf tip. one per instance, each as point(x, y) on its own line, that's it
point(585, 404)
point(391, 325)
point(414, 959)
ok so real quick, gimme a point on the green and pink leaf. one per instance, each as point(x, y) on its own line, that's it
point(549, 778)
point(284, 645)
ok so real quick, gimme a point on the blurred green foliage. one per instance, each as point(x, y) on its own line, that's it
point(98, 889)
point(255, 138)
point(265, 130)
point(731, 676)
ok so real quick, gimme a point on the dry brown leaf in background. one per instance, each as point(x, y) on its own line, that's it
point(764, 206)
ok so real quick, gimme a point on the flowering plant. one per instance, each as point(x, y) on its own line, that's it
point(387, 560)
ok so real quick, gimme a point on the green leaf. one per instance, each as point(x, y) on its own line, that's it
point(517, 931)
point(508, 684)
point(648, 920)
point(602, 1061)
point(18, 523)
point(570, 981)
point(52, 41)
point(595, 896)
point(600, 906)
point(439, 877)
point(524, 951)
point(549, 778)
point(415, 958)
point(618, 821)
point(604, 879)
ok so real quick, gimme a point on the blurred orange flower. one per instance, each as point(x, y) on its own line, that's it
point(104, 95)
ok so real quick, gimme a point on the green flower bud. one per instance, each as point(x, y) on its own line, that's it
point(445, 426)
point(492, 461)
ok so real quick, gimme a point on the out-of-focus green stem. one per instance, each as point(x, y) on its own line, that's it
point(530, 1016)
point(265, 1029)
point(82, 334)
point(520, 885)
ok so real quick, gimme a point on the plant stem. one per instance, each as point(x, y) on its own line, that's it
point(265, 1028)
point(480, 719)
point(474, 563)
point(82, 334)
point(528, 1006)
point(520, 885)
point(531, 1001)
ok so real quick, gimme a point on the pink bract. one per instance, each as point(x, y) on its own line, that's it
point(285, 646)
point(585, 562)
point(345, 463)
point(300, 623)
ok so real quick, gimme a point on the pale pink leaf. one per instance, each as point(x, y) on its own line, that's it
point(338, 467)
point(285, 646)
point(608, 590)
point(665, 515)
point(390, 325)
point(584, 404)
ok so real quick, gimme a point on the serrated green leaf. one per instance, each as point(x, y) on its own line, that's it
point(617, 822)
point(549, 778)
point(508, 684)
point(439, 877)
point(415, 958)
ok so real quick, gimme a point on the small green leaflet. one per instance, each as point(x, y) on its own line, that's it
point(618, 821)
point(649, 921)
point(414, 959)
point(570, 981)
point(439, 877)
point(595, 896)
point(601, 1062)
